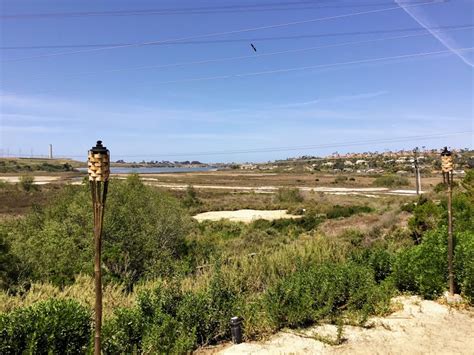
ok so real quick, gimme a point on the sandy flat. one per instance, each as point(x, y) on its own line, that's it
point(39, 180)
point(421, 327)
point(245, 216)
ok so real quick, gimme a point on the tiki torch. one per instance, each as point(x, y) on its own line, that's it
point(98, 169)
point(447, 167)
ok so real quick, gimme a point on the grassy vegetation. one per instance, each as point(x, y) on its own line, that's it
point(173, 284)
point(391, 181)
point(32, 165)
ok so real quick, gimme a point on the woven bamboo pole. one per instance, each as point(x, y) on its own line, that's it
point(98, 170)
point(447, 167)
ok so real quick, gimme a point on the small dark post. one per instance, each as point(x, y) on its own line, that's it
point(236, 329)
point(447, 166)
point(417, 171)
point(98, 170)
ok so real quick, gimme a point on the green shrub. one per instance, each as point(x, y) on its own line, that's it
point(144, 234)
point(191, 199)
point(391, 181)
point(123, 333)
point(423, 268)
point(50, 327)
point(425, 217)
point(378, 258)
point(168, 320)
point(288, 195)
point(338, 211)
point(9, 263)
point(27, 182)
point(464, 264)
point(307, 296)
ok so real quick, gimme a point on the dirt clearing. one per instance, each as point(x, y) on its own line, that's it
point(421, 327)
point(246, 216)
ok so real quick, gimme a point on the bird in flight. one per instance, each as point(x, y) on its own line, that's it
point(255, 49)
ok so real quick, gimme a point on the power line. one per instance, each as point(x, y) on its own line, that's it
point(278, 6)
point(295, 148)
point(299, 50)
point(329, 65)
point(244, 30)
point(245, 40)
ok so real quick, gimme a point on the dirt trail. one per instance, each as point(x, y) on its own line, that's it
point(421, 327)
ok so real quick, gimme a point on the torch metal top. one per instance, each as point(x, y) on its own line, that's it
point(99, 148)
point(446, 152)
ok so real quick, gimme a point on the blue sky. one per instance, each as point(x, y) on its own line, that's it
point(340, 89)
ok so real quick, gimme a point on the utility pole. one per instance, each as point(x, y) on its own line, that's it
point(98, 170)
point(417, 171)
point(50, 151)
point(447, 166)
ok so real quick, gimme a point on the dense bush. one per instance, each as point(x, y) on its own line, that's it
point(191, 199)
point(288, 195)
point(426, 215)
point(423, 269)
point(144, 231)
point(27, 182)
point(323, 291)
point(9, 263)
point(50, 327)
point(338, 211)
point(169, 320)
point(464, 264)
point(391, 181)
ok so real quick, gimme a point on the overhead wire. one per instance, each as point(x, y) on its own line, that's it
point(329, 65)
point(246, 40)
point(296, 148)
point(259, 55)
point(215, 34)
point(276, 6)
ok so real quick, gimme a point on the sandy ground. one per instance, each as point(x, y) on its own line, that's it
point(421, 327)
point(363, 191)
point(245, 216)
point(39, 180)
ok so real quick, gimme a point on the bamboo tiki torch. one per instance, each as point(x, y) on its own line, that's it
point(98, 169)
point(447, 166)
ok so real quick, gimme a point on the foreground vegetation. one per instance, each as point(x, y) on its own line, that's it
point(172, 284)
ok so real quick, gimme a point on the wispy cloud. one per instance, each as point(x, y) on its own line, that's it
point(416, 14)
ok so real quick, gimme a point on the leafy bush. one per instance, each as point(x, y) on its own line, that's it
point(27, 182)
point(53, 326)
point(191, 199)
point(307, 296)
point(425, 217)
point(338, 211)
point(423, 268)
point(168, 320)
point(391, 181)
point(288, 195)
point(144, 231)
point(378, 258)
point(9, 263)
point(464, 264)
